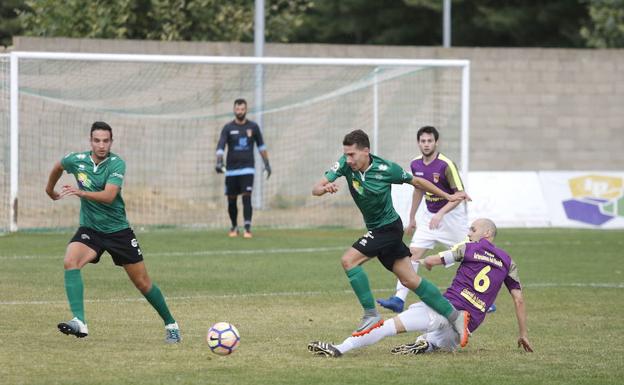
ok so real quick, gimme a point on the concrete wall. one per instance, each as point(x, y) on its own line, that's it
point(531, 109)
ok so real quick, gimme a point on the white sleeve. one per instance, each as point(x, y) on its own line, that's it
point(454, 254)
point(447, 257)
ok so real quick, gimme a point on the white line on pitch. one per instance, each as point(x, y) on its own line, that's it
point(258, 251)
point(297, 294)
point(584, 284)
point(293, 250)
point(201, 252)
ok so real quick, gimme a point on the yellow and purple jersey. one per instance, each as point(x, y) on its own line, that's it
point(443, 173)
point(483, 270)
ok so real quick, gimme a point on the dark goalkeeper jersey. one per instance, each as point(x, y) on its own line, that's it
point(240, 139)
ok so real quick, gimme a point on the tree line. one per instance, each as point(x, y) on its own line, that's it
point(485, 23)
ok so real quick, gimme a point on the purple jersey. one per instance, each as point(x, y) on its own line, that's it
point(443, 173)
point(484, 268)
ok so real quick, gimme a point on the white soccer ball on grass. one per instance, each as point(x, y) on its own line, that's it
point(223, 338)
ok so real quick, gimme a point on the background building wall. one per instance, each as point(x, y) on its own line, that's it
point(531, 108)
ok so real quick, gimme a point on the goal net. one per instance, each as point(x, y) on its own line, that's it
point(167, 113)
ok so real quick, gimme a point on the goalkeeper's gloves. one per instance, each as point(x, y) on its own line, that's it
point(220, 168)
point(267, 167)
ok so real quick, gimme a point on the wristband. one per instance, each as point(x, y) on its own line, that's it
point(447, 258)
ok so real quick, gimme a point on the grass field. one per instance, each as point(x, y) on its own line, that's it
point(285, 288)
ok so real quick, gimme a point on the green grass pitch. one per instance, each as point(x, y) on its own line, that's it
point(285, 288)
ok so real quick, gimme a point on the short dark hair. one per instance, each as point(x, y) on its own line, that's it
point(240, 101)
point(101, 126)
point(357, 137)
point(428, 130)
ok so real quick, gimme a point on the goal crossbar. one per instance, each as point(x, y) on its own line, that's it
point(195, 59)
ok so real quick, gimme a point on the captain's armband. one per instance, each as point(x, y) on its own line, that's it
point(447, 258)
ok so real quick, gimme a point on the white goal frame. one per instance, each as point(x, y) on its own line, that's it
point(14, 92)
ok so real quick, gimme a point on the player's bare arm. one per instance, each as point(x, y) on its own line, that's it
point(106, 196)
point(523, 338)
point(423, 184)
point(445, 258)
point(437, 218)
point(55, 175)
point(416, 199)
point(324, 186)
point(431, 260)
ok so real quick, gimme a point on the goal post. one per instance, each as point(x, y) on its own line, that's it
point(167, 112)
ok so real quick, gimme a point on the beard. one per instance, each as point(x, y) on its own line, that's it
point(428, 153)
point(241, 116)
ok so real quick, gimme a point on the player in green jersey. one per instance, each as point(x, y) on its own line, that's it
point(369, 178)
point(103, 227)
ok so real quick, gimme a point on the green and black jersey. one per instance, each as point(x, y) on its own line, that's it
point(371, 189)
point(105, 218)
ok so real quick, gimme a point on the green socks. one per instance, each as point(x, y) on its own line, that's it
point(75, 293)
point(156, 299)
point(431, 296)
point(359, 282)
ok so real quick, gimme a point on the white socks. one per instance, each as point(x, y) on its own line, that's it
point(386, 330)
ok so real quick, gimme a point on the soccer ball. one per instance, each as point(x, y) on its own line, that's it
point(223, 338)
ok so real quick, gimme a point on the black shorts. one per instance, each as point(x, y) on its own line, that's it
point(121, 245)
point(385, 242)
point(236, 185)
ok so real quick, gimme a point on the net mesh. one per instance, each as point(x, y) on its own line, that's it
point(167, 117)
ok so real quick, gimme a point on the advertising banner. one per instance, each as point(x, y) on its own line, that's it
point(510, 199)
point(584, 199)
point(538, 199)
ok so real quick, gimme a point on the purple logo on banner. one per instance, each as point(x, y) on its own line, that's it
point(596, 199)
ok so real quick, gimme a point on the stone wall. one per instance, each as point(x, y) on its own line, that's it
point(531, 108)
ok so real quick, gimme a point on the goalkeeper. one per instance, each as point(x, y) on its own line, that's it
point(239, 135)
point(483, 269)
